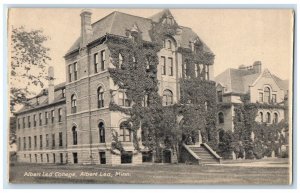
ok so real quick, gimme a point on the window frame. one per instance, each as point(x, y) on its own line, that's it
point(125, 132)
point(163, 66)
point(100, 97)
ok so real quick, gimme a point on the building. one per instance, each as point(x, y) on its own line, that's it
point(72, 122)
point(256, 86)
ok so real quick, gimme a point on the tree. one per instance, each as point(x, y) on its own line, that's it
point(29, 59)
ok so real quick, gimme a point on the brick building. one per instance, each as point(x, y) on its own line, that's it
point(261, 86)
point(72, 122)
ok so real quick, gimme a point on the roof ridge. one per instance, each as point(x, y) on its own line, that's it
point(105, 17)
point(113, 19)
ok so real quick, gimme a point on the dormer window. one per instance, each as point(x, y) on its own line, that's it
point(37, 100)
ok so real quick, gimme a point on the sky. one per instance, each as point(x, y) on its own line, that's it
point(235, 36)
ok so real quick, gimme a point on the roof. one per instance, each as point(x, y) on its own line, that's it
point(236, 80)
point(43, 98)
point(117, 23)
point(283, 84)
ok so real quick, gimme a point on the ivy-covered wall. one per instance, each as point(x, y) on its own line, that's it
point(250, 139)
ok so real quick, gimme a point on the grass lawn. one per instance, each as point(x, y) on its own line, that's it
point(226, 173)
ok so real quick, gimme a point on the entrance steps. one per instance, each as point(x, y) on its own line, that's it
point(200, 154)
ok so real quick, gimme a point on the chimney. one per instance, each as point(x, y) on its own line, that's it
point(86, 26)
point(257, 66)
point(51, 85)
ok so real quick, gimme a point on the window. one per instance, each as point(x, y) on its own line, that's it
point(221, 118)
point(196, 70)
point(261, 97)
point(29, 142)
point(30, 158)
point(163, 65)
point(96, 62)
point(52, 116)
point(102, 59)
point(120, 60)
point(40, 119)
point(59, 115)
point(73, 103)
point(53, 140)
point(75, 71)
point(261, 115)
point(61, 158)
point(63, 93)
point(70, 73)
point(75, 158)
point(23, 122)
point(170, 61)
point(46, 118)
point(126, 157)
point(41, 141)
point(184, 69)
point(125, 132)
point(74, 134)
point(35, 156)
point(102, 157)
point(34, 120)
point(37, 100)
point(145, 102)
point(169, 44)
point(35, 142)
point(123, 100)
point(275, 119)
point(19, 126)
point(134, 61)
point(100, 95)
point(54, 158)
point(28, 120)
point(19, 143)
point(167, 97)
point(47, 156)
point(267, 92)
point(274, 98)
point(206, 105)
point(206, 72)
point(101, 132)
point(219, 96)
point(24, 143)
point(268, 117)
point(60, 139)
point(147, 63)
point(42, 158)
point(47, 140)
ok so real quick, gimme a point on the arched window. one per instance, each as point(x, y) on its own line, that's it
point(268, 117)
point(101, 132)
point(275, 119)
point(74, 134)
point(125, 132)
point(120, 60)
point(100, 97)
point(73, 104)
point(167, 97)
point(221, 118)
point(261, 115)
point(267, 94)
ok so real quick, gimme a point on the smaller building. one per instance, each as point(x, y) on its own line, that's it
point(256, 86)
